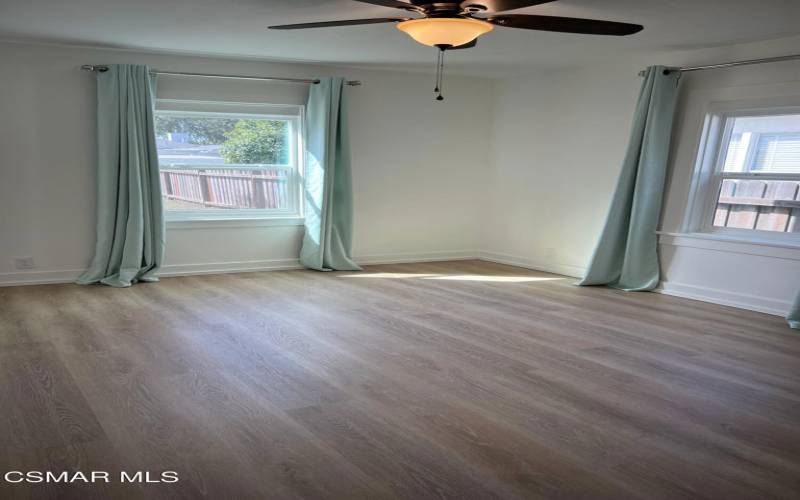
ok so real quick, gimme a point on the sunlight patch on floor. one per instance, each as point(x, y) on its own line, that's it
point(452, 277)
point(388, 275)
point(498, 279)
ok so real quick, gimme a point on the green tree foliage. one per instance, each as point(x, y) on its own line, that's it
point(202, 131)
point(256, 141)
point(241, 141)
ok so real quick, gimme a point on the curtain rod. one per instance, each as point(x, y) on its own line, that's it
point(101, 69)
point(792, 57)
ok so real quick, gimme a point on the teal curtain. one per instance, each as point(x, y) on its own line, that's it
point(626, 256)
point(794, 313)
point(329, 200)
point(130, 221)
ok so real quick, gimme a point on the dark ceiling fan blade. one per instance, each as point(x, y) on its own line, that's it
point(350, 22)
point(467, 45)
point(565, 24)
point(395, 4)
point(502, 5)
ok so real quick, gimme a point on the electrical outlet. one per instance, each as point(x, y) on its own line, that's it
point(24, 263)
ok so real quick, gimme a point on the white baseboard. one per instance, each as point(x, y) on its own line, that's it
point(249, 266)
point(723, 297)
point(284, 264)
point(409, 258)
point(69, 276)
point(547, 267)
point(39, 277)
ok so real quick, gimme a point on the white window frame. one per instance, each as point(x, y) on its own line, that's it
point(291, 113)
point(709, 165)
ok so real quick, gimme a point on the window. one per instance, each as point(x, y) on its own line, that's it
point(753, 184)
point(229, 160)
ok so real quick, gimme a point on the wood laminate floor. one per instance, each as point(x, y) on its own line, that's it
point(461, 380)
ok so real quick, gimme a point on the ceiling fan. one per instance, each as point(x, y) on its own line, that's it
point(455, 25)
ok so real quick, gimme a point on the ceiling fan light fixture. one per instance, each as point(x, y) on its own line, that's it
point(438, 31)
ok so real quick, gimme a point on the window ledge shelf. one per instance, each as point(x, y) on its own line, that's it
point(732, 244)
point(237, 222)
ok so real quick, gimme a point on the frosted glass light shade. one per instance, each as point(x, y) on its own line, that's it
point(444, 31)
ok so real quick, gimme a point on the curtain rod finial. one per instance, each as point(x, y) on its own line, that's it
point(91, 67)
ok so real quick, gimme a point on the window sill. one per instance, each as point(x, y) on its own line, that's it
point(733, 244)
point(237, 222)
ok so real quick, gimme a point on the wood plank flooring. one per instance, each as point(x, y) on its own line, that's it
point(463, 380)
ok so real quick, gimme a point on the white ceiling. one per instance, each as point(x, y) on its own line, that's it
point(238, 28)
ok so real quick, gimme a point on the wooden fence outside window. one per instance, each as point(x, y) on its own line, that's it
point(230, 187)
point(768, 205)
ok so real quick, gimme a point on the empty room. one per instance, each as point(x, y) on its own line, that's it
point(399, 249)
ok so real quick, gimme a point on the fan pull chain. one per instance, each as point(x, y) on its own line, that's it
point(440, 75)
point(438, 65)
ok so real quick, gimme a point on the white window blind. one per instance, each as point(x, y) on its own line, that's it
point(777, 153)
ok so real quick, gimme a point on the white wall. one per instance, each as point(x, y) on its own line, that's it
point(557, 144)
point(519, 170)
point(557, 150)
point(415, 163)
